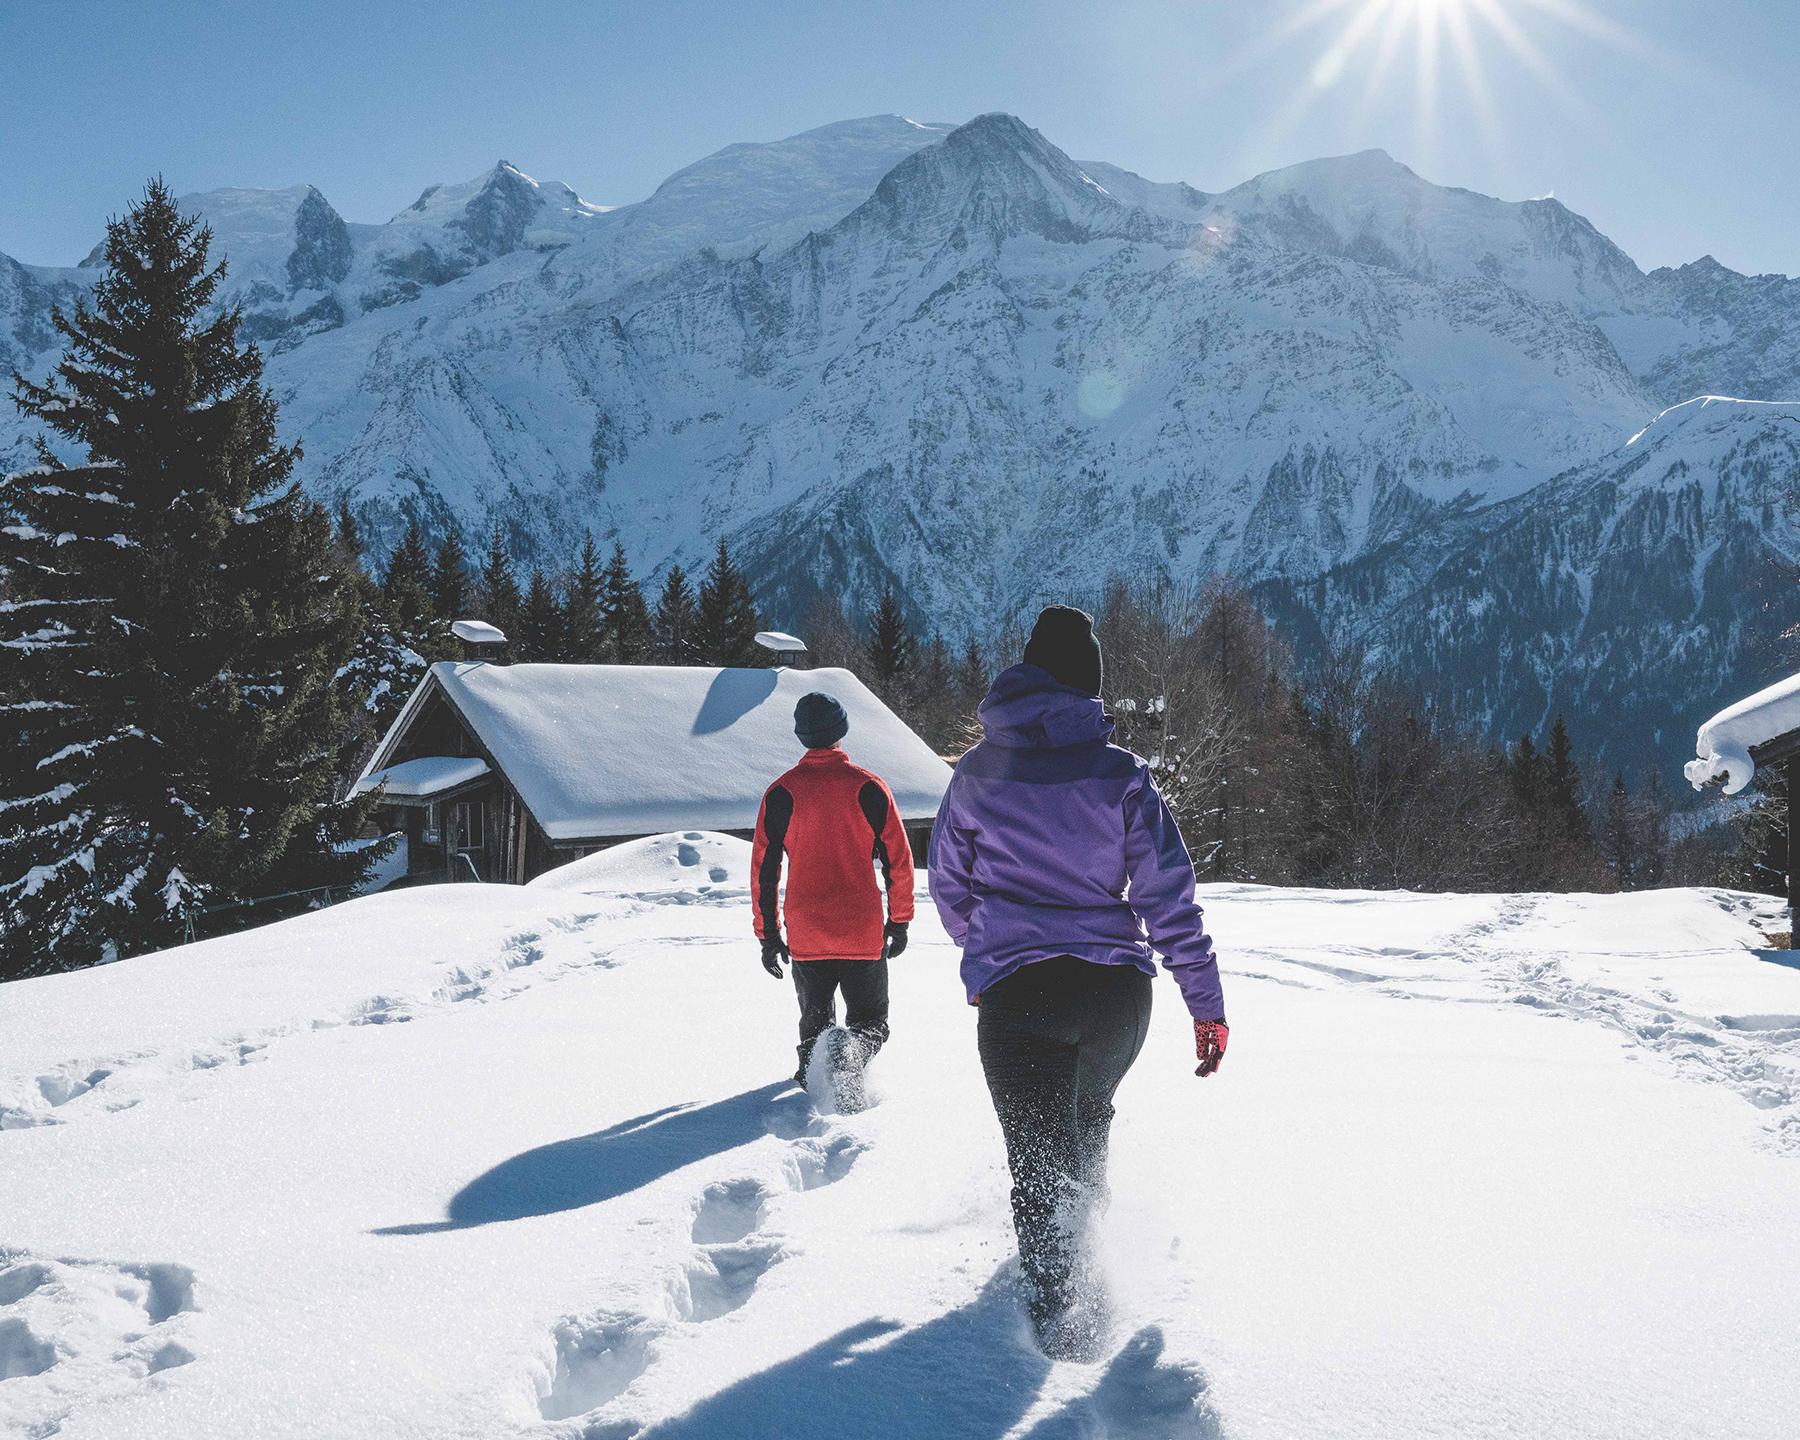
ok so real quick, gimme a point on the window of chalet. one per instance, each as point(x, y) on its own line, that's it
point(468, 818)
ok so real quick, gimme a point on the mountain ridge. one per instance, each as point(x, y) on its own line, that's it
point(955, 360)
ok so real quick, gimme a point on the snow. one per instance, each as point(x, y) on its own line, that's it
point(1472, 1167)
point(426, 775)
point(442, 204)
point(687, 864)
point(1725, 741)
point(1690, 409)
point(626, 750)
point(477, 632)
point(780, 641)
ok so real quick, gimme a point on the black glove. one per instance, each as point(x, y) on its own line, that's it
point(894, 936)
point(774, 952)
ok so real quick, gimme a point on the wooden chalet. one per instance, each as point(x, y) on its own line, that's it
point(501, 772)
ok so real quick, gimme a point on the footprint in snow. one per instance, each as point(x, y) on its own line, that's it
point(92, 1330)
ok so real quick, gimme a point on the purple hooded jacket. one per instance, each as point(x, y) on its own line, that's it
point(1052, 841)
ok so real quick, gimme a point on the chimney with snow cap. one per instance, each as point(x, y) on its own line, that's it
point(478, 635)
point(788, 648)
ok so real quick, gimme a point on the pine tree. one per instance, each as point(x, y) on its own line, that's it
point(891, 647)
point(498, 588)
point(449, 580)
point(1653, 831)
point(1621, 840)
point(176, 621)
point(624, 618)
point(405, 585)
point(971, 680)
point(674, 621)
point(385, 668)
point(1563, 785)
point(584, 634)
point(932, 709)
point(725, 621)
point(1524, 772)
point(540, 623)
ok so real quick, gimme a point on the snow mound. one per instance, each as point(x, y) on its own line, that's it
point(685, 864)
point(1725, 741)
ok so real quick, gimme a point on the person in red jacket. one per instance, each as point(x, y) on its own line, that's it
point(835, 822)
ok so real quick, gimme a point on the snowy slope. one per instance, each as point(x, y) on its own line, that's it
point(1477, 1165)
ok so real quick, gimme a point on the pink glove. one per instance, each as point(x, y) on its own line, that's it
point(1209, 1044)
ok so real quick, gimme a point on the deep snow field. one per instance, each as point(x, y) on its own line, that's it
point(478, 1161)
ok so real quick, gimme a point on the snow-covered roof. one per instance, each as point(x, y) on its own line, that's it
point(427, 775)
point(597, 751)
point(1725, 741)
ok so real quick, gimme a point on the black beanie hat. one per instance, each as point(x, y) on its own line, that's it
point(820, 721)
point(1063, 642)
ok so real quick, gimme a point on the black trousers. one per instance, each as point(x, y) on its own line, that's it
point(865, 987)
point(1056, 1038)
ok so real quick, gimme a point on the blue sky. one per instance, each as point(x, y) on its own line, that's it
point(1671, 124)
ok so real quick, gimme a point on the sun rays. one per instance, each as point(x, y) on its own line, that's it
point(1438, 50)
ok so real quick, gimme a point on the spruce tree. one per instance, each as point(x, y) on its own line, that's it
point(725, 621)
point(176, 621)
point(449, 580)
point(932, 708)
point(498, 587)
point(540, 623)
point(406, 584)
point(891, 647)
point(1621, 846)
point(1563, 785)
point(971, 680)
point(584, 636)
point(385, 668)
point(624, 617)
point(674, 620)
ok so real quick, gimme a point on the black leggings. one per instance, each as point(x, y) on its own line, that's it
point(1056, 1038)
point(865, 987)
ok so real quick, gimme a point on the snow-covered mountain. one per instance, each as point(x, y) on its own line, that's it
point(954, 360)
point(1662, 570)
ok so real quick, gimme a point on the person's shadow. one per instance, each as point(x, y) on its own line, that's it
point(970, 1374)
point(585, 1170)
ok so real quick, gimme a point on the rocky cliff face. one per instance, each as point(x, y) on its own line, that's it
point(955, 360)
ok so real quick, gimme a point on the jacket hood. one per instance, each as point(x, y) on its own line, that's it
point(1027, 708)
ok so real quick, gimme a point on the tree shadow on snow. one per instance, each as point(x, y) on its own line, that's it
point(969, 1374)
point(572, 1174)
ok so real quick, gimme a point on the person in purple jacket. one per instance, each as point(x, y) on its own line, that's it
point(1057, 867)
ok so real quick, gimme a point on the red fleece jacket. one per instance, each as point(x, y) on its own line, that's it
point(835, 822)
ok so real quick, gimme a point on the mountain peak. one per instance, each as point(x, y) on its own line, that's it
point(995, 177)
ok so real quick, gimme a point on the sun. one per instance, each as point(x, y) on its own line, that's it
point(1422, 45)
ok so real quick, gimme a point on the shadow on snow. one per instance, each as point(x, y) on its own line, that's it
point(588, 1169)
point(970, 1374)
